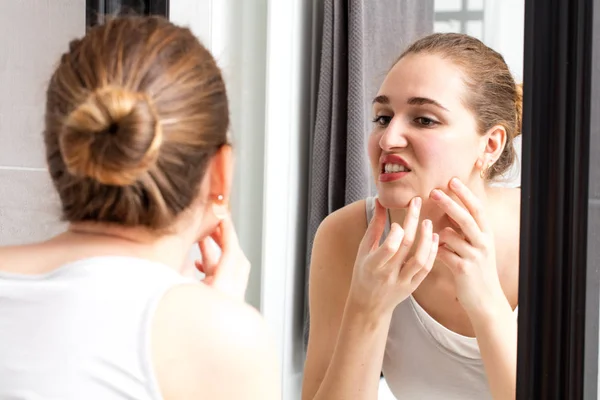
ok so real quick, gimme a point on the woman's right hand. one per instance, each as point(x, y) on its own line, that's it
point(228, 271)
point(384, 275)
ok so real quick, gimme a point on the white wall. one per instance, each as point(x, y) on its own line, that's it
point(34, 35)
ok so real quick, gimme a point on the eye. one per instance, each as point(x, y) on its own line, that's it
point(382, 120)
point(426, 122)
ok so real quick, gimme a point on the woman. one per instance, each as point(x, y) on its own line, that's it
point(427, 290)
point(136, 138)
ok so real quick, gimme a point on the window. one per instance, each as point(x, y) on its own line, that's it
point(97, 9)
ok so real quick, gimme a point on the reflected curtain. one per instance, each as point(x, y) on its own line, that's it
point(360, 41)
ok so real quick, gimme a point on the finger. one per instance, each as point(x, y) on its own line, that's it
point(208, 280)
point(233, 268)
point(450, 259)
point(199, 266)
point(210, 254)
point(456, 243)
point(461, 216)
point(419, 260)
point(227, 238)
point(422, 274)
point(217, 234)
point(388, 248)
point(473, 204)
point(370, 240)
point(411, 223)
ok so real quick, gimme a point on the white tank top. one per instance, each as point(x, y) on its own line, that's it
point(425, 360)
point(81, 331)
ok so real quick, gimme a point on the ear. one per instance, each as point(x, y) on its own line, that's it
point(221, 174)
point(494, 142)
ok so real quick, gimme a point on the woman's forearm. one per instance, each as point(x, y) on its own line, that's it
point(355, 367)
point(497, 338)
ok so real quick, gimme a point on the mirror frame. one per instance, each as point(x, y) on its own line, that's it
point(554, 210)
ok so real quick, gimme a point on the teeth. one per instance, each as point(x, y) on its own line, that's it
point(391, 168)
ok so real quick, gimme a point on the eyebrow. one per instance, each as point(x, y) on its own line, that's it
point(415, 101)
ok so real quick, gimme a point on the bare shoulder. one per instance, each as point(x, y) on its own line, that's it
point(203, 341)
point(342, 230)
point(29, 259)
point(335, 247)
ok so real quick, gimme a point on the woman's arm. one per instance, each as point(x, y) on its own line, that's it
point(342, 349)
point(354, 290)
point(471, 256)
point(497, 338)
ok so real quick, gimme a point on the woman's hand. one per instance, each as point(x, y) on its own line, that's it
point(384, 275)
point(470, 254)
point(226, 268)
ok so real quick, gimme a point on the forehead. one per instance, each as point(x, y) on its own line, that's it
point(425, 75)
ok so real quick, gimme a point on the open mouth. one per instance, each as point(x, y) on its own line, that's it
point(392, 168)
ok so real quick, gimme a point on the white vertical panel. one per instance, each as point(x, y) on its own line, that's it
point(286, 171)
point(264, 50)
point(238, 42)
point(235, 32)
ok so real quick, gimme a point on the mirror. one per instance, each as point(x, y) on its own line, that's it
point(390, 130)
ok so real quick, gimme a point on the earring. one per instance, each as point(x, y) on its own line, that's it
point(219, 207)
point(484, 171)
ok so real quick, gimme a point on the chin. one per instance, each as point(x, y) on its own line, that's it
point(395, 199)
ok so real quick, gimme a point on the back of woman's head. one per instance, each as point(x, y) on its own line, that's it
point(492, 94)
point(134, 112)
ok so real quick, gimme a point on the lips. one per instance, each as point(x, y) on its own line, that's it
point(392, 168)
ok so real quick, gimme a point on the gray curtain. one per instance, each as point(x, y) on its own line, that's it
point(359, 42)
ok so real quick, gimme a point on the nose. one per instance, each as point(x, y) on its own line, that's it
point(395, 135)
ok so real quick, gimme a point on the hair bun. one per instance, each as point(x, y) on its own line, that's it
point(112, 137)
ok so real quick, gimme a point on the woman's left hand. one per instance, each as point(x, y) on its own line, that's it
point(471, 254)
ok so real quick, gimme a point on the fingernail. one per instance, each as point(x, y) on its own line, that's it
point(427, 223)
point(418, 202)
point(435, 194)
point(455, 183)
point(436, 238)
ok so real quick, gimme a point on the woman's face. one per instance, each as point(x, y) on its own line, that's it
point(422, 134)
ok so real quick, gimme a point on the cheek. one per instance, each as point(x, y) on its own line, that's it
point(445, 158)
point(433, 153)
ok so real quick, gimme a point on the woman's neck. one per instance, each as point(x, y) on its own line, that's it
point(171, 249)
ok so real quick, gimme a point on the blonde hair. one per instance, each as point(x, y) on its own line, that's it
point(493, 96)
point(134, 112)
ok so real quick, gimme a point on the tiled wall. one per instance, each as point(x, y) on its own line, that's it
point(34, 34)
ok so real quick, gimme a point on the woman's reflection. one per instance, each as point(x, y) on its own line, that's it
point(423, 280)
